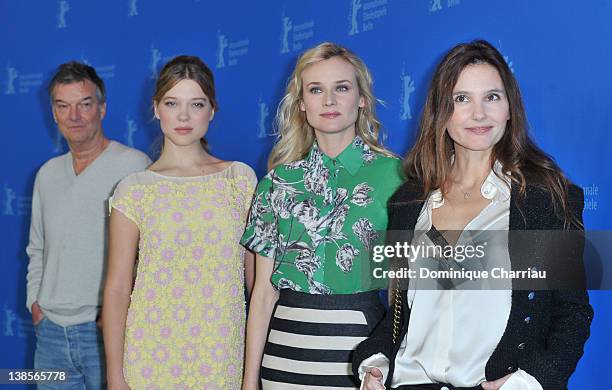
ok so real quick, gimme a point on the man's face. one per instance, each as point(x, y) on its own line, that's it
point(77, 112)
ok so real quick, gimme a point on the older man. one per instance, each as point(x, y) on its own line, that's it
point(67, 233)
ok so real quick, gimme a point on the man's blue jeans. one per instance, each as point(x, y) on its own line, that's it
point(76, 349)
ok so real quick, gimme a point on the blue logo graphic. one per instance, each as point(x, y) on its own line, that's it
point(287, 26)
point(222, 45)
point(63, 8)
point(11, 76)
point(156, 57)
point(355, 7)
point(407, 90)
point(9, 198)
point(133, 10)
point(261, 124)
point(131, 129)
point(435, 5)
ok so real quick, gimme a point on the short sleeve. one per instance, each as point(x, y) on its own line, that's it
point(246, 181)
point(126, 197)
point(261, 231)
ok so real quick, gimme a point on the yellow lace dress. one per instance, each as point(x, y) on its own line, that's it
point(186, 320)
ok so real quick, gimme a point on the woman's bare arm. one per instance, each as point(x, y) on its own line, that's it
point(123, 245)
point(263, 299)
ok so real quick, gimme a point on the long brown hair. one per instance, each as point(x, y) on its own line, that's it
point(428, 163)
point(295, 135)
point(186, 68)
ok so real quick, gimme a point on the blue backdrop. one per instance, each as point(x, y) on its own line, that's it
point(560, 51)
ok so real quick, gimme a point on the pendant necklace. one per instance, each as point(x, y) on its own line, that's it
point(466, 194)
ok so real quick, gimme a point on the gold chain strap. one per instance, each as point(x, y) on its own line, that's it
point(397, 312)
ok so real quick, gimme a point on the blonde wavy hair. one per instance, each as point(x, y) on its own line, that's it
point(294, 135)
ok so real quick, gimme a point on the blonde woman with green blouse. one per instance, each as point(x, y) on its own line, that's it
point(313, 220)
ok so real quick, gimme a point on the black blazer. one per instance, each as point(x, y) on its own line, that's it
point(546, 329)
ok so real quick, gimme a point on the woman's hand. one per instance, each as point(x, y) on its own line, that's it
point(373, 380)
point(495, 385)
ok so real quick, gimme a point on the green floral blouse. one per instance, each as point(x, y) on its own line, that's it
point(318, 218)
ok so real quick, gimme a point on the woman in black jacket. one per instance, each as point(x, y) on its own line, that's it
point(474, 168)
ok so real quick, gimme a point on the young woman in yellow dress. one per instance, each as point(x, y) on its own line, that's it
point(181, 323)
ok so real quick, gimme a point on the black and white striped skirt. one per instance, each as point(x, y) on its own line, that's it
point(312, 338)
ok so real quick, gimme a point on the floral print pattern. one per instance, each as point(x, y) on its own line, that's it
point(187, 313)
point(318, 218)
